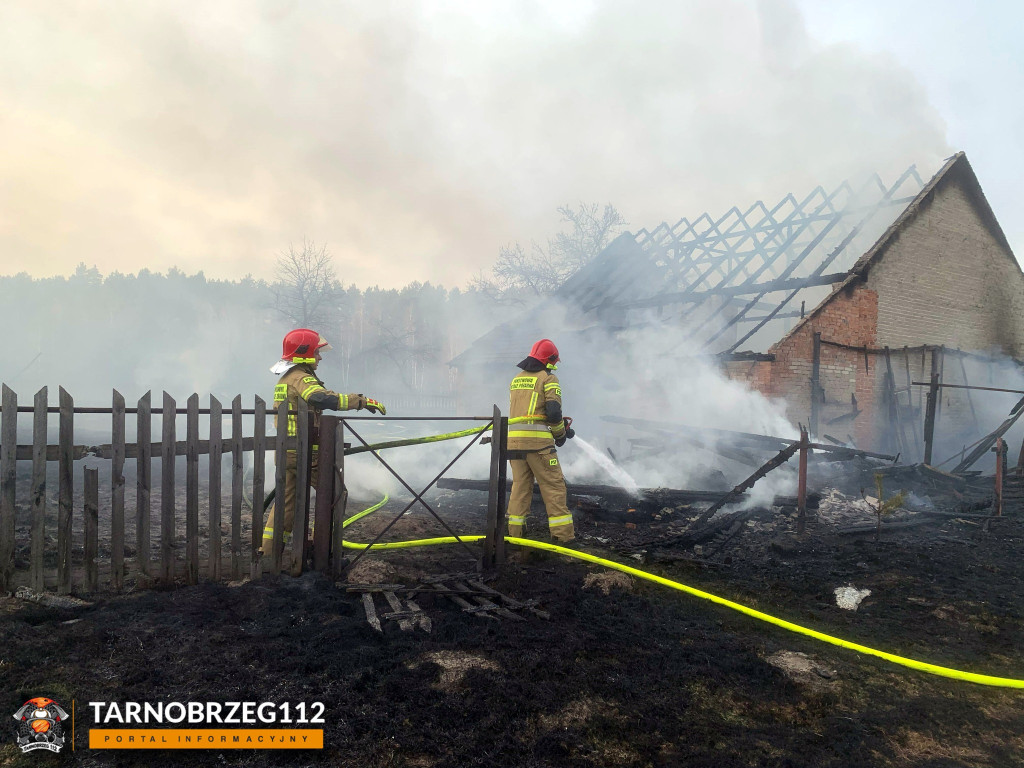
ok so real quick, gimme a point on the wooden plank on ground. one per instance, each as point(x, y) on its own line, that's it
point(421, 617)
point(396, 605)
point(486, 603)
point(371, 612)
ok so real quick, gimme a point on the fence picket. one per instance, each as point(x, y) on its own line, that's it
point(143, 475)
point(117, 492)
point(92, 512)
point(8, 479)
point(279, 469)
point(216, 422)
point(192, 490)
point(167, 492)
point(39, 418)
point(236, 487)
point(303, 472)
point(66, 491)
point(259, 453)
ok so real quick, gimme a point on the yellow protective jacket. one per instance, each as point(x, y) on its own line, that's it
point(301, 382)
point(536, 395)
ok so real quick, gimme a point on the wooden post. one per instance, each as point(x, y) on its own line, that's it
point(92, 519)
point(1000, 450)
point(489, 558)
point(143, 479)
point(929, 416)
point(216, 450)
point(192, 489)
point(167, 453)
point(915, 424)
point(970, 400)
point(117, 453)
point(39, 489)
point(280, 461)
point(8, 479)
point(502, 438)
point(815, 383)
point(801, 493)
point(236, 487)
point(303, 455)
point(339, 502)
point(895, 418)
point(259, 454)
point(66, 491)
point(324, 494)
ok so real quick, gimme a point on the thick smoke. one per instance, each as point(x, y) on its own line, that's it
point(414, 138)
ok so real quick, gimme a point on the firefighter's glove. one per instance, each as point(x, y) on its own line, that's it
point(560, 441)
point(374, 407)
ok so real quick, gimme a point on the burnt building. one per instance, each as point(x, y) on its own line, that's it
point(836, 302)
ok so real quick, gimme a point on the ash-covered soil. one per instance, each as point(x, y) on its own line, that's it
point(624, 673)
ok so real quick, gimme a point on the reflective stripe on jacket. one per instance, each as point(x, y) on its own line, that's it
point(301, 382)
point(529, 394)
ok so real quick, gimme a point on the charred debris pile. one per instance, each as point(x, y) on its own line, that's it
point(840, 490)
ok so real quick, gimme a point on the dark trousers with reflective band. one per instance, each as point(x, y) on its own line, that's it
point(290, 490)
point(543, 467)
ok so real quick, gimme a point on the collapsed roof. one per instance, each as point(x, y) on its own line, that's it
point(742, 279)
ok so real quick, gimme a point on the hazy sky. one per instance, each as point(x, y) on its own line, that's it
point(415, 138)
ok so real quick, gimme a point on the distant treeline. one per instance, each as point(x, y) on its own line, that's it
point(186, 333)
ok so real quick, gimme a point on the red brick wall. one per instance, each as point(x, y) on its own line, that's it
point(850, 318)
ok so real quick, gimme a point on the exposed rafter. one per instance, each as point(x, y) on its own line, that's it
point(691, 273)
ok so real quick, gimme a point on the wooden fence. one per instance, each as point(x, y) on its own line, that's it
point(232, 558)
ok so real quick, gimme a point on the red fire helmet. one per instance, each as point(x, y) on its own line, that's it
point(300, 345)
point(545, 351)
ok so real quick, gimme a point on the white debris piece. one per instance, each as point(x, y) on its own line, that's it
point(840, 509)
point(50, 601)
point(849, 597)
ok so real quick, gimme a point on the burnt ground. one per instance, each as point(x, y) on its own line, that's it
point(641, 676)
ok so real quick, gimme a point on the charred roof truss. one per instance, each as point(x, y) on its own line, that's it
point(725, 279)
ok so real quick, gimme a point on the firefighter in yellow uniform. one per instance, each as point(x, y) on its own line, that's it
point(536, 395)
point(299, 359)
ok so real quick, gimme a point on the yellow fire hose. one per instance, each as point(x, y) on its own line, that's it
point(934, 669)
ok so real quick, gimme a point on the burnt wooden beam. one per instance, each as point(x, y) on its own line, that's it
point(767, 441)
point(734, 495)
point(662, 496)
point(745, 288)
point(746, 356)
point(989, 440)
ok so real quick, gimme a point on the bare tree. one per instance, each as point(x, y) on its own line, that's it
point(306, 290)
point(520, 275)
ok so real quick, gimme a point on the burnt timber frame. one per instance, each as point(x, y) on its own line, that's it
point(758, 259)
